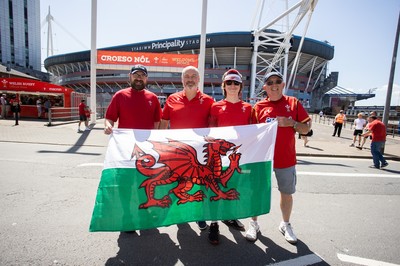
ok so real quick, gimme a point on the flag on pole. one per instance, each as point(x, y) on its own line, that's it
point(154, 178)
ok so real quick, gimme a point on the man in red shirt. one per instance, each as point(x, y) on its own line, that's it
point(291, 118)
point(134, 107)
point(82, 116)
point(189, 108)
point(377, 130)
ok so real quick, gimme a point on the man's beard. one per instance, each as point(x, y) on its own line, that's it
point(138, 85)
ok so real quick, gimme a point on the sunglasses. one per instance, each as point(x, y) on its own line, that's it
point(229, 82)
point(270, 83)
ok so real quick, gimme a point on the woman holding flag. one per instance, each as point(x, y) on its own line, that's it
point(231, 111)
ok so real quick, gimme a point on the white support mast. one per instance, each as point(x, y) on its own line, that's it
point(266, 38)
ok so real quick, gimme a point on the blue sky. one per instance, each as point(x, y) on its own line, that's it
point(362, 31)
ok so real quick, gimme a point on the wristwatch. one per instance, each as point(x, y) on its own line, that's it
point(295, 125)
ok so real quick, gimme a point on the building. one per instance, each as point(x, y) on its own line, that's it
point(223, 51)
point(20, 45)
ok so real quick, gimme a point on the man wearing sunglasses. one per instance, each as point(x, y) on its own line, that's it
point(231, 111)
point(291, 117)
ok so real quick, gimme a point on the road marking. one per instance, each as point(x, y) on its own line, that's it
point(90, 164)
point(303, 260)
point(363, 261)
point(348, 174)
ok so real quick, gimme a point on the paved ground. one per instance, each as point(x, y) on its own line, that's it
point(321, 143)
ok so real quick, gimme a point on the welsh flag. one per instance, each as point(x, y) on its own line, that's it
point(154, 178)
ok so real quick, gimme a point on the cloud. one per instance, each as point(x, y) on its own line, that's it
point(380, 97)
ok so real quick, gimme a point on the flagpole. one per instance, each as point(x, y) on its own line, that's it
point(93, 63)
point(202, 55)
point(386, 111)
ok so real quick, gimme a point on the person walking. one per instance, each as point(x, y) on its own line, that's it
point(359, 125)
point(3, 101)
point(377, 130)
point(304, 137)
point(135, 107)
point(291, 117)
point(189, 108)
point(16, 108)
point(340, 119)
point(231, 111)
point(82, 116)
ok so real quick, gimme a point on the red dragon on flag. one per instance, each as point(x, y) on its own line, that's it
point(179, 164)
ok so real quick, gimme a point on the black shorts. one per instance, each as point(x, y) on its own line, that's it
point(357, 132)
point(82, 118)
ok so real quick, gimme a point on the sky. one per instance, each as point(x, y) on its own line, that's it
point(362, 31)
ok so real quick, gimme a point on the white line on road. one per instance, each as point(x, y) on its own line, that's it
point(362, 261)
point(90, 164)
point(348, 174)
point(303, 260)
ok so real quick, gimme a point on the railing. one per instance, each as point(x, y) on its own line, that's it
point(392, 129)
point(71, 114)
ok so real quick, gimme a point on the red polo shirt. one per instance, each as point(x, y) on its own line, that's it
point(285, 146)
point(134, 109)
point(183, 113)
point(224, 113)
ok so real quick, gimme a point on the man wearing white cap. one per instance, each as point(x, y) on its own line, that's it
point(291, 117)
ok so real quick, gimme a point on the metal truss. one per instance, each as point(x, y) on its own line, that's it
point(271, 47)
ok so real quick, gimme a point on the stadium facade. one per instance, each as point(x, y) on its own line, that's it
point(223, 51)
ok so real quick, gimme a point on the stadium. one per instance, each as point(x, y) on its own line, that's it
point(224, 50)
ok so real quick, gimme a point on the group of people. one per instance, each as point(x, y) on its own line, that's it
point(371, 128)
point(136, 107)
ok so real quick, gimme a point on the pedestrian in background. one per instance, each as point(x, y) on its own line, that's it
point(135, 107)
point(231, 111)
point(340, 119)
point(291, 117)
point(377, 130)
point(82, 116)
point(39, 107)
point(15, 108)
point(3, 101)
point(359, 124)
point(189, 108)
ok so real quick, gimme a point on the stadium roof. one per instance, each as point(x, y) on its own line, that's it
point(339, 91)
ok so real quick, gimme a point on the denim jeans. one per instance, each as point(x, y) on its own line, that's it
point(376, 151)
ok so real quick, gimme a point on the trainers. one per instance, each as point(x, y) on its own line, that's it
point(87, 129)
point(384, 164)
point(374, 166)
point(213, 234)
point(287, 231)
point(202, 225)
point(251, 234)
point(352, 145)
point(358, 147)
point(235, 224)
point(79, 130)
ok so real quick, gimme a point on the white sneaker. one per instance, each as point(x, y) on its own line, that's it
point(287, 231)
point(251, 234)
point(87, 129)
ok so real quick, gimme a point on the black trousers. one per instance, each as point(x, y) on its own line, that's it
point(338, 129)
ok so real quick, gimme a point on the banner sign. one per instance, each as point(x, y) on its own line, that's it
point(146, 59)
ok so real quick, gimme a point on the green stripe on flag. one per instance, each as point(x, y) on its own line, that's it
point(119, 196)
